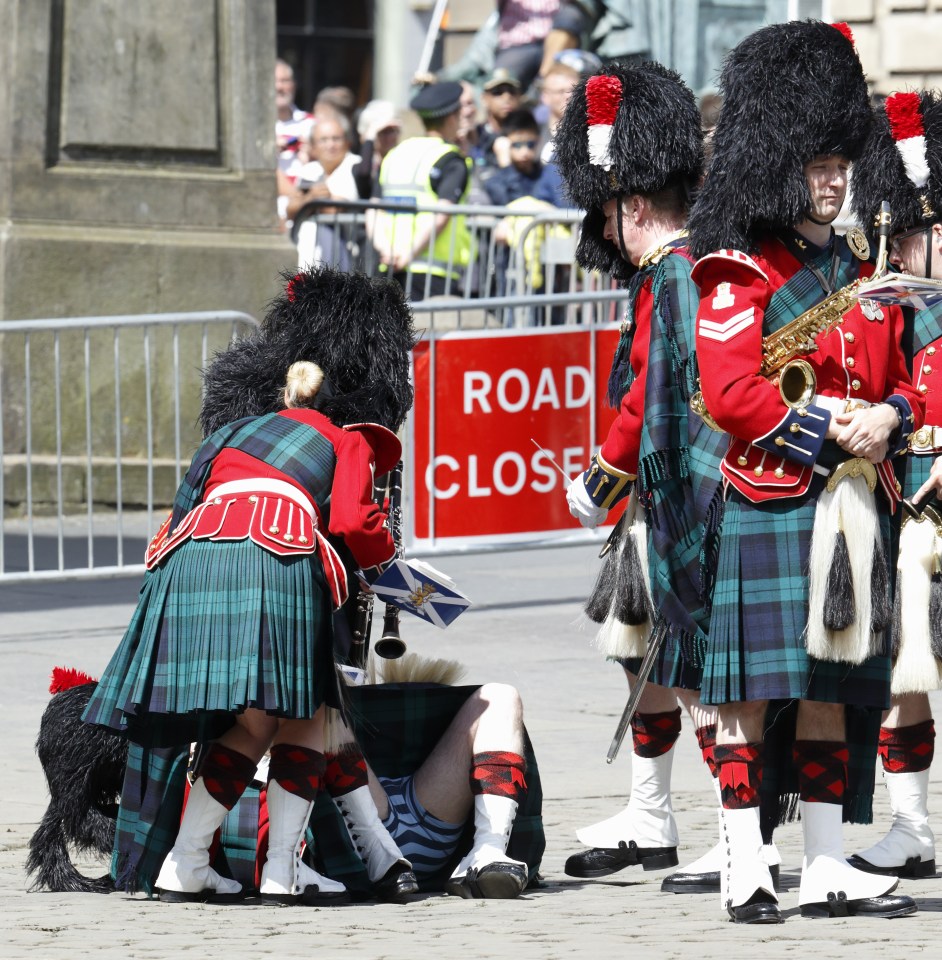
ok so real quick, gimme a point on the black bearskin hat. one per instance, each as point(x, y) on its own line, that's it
point(633, 128)
point(791, 91)
point(358, 330)
point(902, 163)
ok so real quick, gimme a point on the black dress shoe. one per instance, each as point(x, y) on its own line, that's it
point(761, 907)
point(604, 861)
point(396, 884)
point(208, 895)
point(310, 896)
point(709, 882)
point(915, 868)
point(837, 905)
point(495, 881)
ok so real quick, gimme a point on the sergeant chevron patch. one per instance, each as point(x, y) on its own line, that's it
point(729, 328)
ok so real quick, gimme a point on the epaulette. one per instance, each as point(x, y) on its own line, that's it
point(735, 256)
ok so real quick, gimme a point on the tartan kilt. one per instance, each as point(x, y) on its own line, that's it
point(398, 725)
point(756, 647)
point(220, 626)
point(918, 466)
point(675, 665)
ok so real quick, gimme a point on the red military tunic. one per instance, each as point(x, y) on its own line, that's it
point(774, 448)
point(353, 514)
point(927, 374)
point(620, 449)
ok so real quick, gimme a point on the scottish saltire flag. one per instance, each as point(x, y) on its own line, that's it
point(422, 590)
point(901, 288)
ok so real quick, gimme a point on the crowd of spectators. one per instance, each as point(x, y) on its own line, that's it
point(487, 141)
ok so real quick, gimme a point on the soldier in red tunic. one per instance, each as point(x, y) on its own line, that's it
point(901, 164)
point(801, 611)
point(630, 150)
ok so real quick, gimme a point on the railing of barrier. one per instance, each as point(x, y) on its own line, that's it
point(97, 422)
point(525, 249)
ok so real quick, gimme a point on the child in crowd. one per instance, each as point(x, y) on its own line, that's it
point(526, 176)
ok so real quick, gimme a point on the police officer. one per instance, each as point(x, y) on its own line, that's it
point(425, 251)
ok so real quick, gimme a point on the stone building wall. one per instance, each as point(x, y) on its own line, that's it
point(899, 41)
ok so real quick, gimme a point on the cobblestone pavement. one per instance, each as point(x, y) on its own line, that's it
point(524, 631)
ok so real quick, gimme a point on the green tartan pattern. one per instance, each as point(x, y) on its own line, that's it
point(399, 725)
point(220, 626)
point(927, 327)
point(780, 786)
point(803, 289)
point(238, 839)
point(149, 815)
point(918, 466)
point(288, 446)
point(756, 649)
point(678, 478)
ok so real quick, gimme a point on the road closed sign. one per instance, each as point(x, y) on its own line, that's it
point(481, 399)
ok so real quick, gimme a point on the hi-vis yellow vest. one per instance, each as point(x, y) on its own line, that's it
point(405, 177)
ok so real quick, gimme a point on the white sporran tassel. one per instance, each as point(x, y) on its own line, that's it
point(614, 638)
point(852, 499)
point(916, 669)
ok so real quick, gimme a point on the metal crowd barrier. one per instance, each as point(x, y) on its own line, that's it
point(523, 250)
point(97, 423)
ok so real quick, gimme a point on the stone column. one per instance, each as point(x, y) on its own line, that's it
point(137, 164)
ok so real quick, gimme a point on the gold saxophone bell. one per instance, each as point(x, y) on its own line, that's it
point(797, 384)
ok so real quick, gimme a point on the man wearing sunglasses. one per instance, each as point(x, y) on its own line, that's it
point(526, 176)
point(901, 164)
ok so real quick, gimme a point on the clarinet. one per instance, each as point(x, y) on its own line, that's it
point(361, 624)
point(391, 646)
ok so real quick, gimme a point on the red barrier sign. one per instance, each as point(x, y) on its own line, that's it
point(492, 393)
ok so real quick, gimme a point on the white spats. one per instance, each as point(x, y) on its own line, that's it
point(908, 849)
point(186, 868)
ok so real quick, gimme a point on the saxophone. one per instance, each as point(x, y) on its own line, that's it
point(782, 351)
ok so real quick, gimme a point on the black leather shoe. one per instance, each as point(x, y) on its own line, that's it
point(915, 868)
point(496, 881)
point(311, 896)
point(759, 908)
point(837, 905)
point(396, 884)
point(701, 882)
point(604, 861)
point(204, 896)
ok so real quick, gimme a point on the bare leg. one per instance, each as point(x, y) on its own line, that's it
point(820, 740)
point(304, 733)
point(251, 734)
point(654, 698)
point(491, 719)
point(907, 710)
point(741, 722)
point(701, 714)
point(820, 721)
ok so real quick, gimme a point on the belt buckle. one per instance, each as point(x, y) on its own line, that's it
point(923, 437)
point(850, 405)
point(855, 467)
